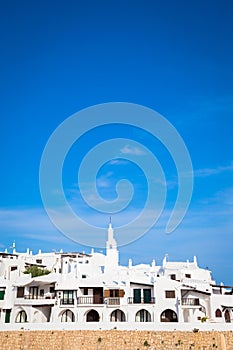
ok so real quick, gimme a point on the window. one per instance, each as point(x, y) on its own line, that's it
point(173, 277)
point(68, 294)
point(20, 292)
point(13, 268)
point(85, 291)
point(170, 294)
point(68, 297)
point(137, 296)
point(41, 292)
point(33, 292)
point(84, 276)
point(187, 275)
point(39, 261)
point(51, 290)
point(114, 293)
point(146, 296)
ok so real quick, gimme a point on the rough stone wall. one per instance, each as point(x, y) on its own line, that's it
point(114, 339)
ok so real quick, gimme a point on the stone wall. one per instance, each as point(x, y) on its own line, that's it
point(115, 339)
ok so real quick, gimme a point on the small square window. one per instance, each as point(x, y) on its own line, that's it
point(170, 294)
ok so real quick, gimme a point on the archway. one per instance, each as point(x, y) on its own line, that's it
point(67, 316)
point(227, 316)
point(168, 316)
point(117, 316)
point(93, 316)
point(143, 316)
point(21, 317)
point(218, 313)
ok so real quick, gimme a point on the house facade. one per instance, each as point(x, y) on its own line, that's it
point(95, 288)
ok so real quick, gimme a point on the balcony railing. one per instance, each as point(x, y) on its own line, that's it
point(90, 300)
point(67, 301)
point(190, 301)
point(132, 300)
point(112, 301)
point(34, 296)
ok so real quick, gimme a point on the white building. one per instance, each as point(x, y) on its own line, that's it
point(95, 288)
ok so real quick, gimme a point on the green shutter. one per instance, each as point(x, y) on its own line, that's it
point(147, 295)
point(137, 296)
point(2, 293)
point(7, 316)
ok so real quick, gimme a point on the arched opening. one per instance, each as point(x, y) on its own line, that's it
point(218, 313)
point(21, 317)
point(93, 316)
point(117, 316)
point(67, 316)
point(227, 316)
point(143, 316)
point(168, 316)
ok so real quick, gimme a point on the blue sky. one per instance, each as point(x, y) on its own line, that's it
point(172, 56)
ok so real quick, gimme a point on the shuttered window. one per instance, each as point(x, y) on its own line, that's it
point(121, 293)
point(107, 293)
point(170, 294)
point(114, 293)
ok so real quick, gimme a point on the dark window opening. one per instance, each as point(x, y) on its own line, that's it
point(170, 294)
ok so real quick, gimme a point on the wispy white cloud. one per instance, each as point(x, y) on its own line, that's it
point(132, 150)
point(118, 161)
point(205, 172)
point(104, 181)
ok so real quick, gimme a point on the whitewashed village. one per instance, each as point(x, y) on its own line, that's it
point(81, 288)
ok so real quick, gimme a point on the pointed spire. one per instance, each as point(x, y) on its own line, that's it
point(111, 242)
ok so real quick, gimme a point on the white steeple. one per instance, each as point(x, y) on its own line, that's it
point(111, 242)
point(112, 254)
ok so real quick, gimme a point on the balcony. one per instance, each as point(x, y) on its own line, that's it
point(90, 300)
point(35, 300)
point(132, 300)
point(190, 302)
point(67, 301)
point(35, 296)
point(112, 301)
